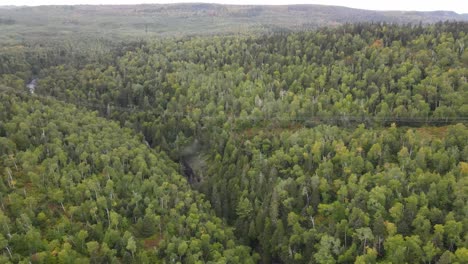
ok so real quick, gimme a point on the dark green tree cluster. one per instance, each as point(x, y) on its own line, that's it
point(336, 195)
point(22, 62)
point(76, 188)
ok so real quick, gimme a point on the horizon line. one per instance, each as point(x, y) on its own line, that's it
point(234, 4)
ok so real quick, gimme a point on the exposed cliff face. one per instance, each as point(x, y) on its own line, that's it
point(191, 163)
point(188, 172)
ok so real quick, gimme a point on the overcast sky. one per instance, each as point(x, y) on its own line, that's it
point(459, 6)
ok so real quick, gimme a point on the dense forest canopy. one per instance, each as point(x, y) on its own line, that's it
point(77, 188)
point(338, 145)
point(374, 74)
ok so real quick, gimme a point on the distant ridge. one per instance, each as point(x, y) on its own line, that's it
point(149, 20)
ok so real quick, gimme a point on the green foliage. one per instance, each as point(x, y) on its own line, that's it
point(332, 146)
point(80, 189)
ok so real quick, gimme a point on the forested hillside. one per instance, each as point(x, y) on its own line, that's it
point(194, 88)
point(31, 24)
point(338, 145)
point(77, 188)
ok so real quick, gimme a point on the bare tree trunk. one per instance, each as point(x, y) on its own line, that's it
point(108, 217)
point(9, 251)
